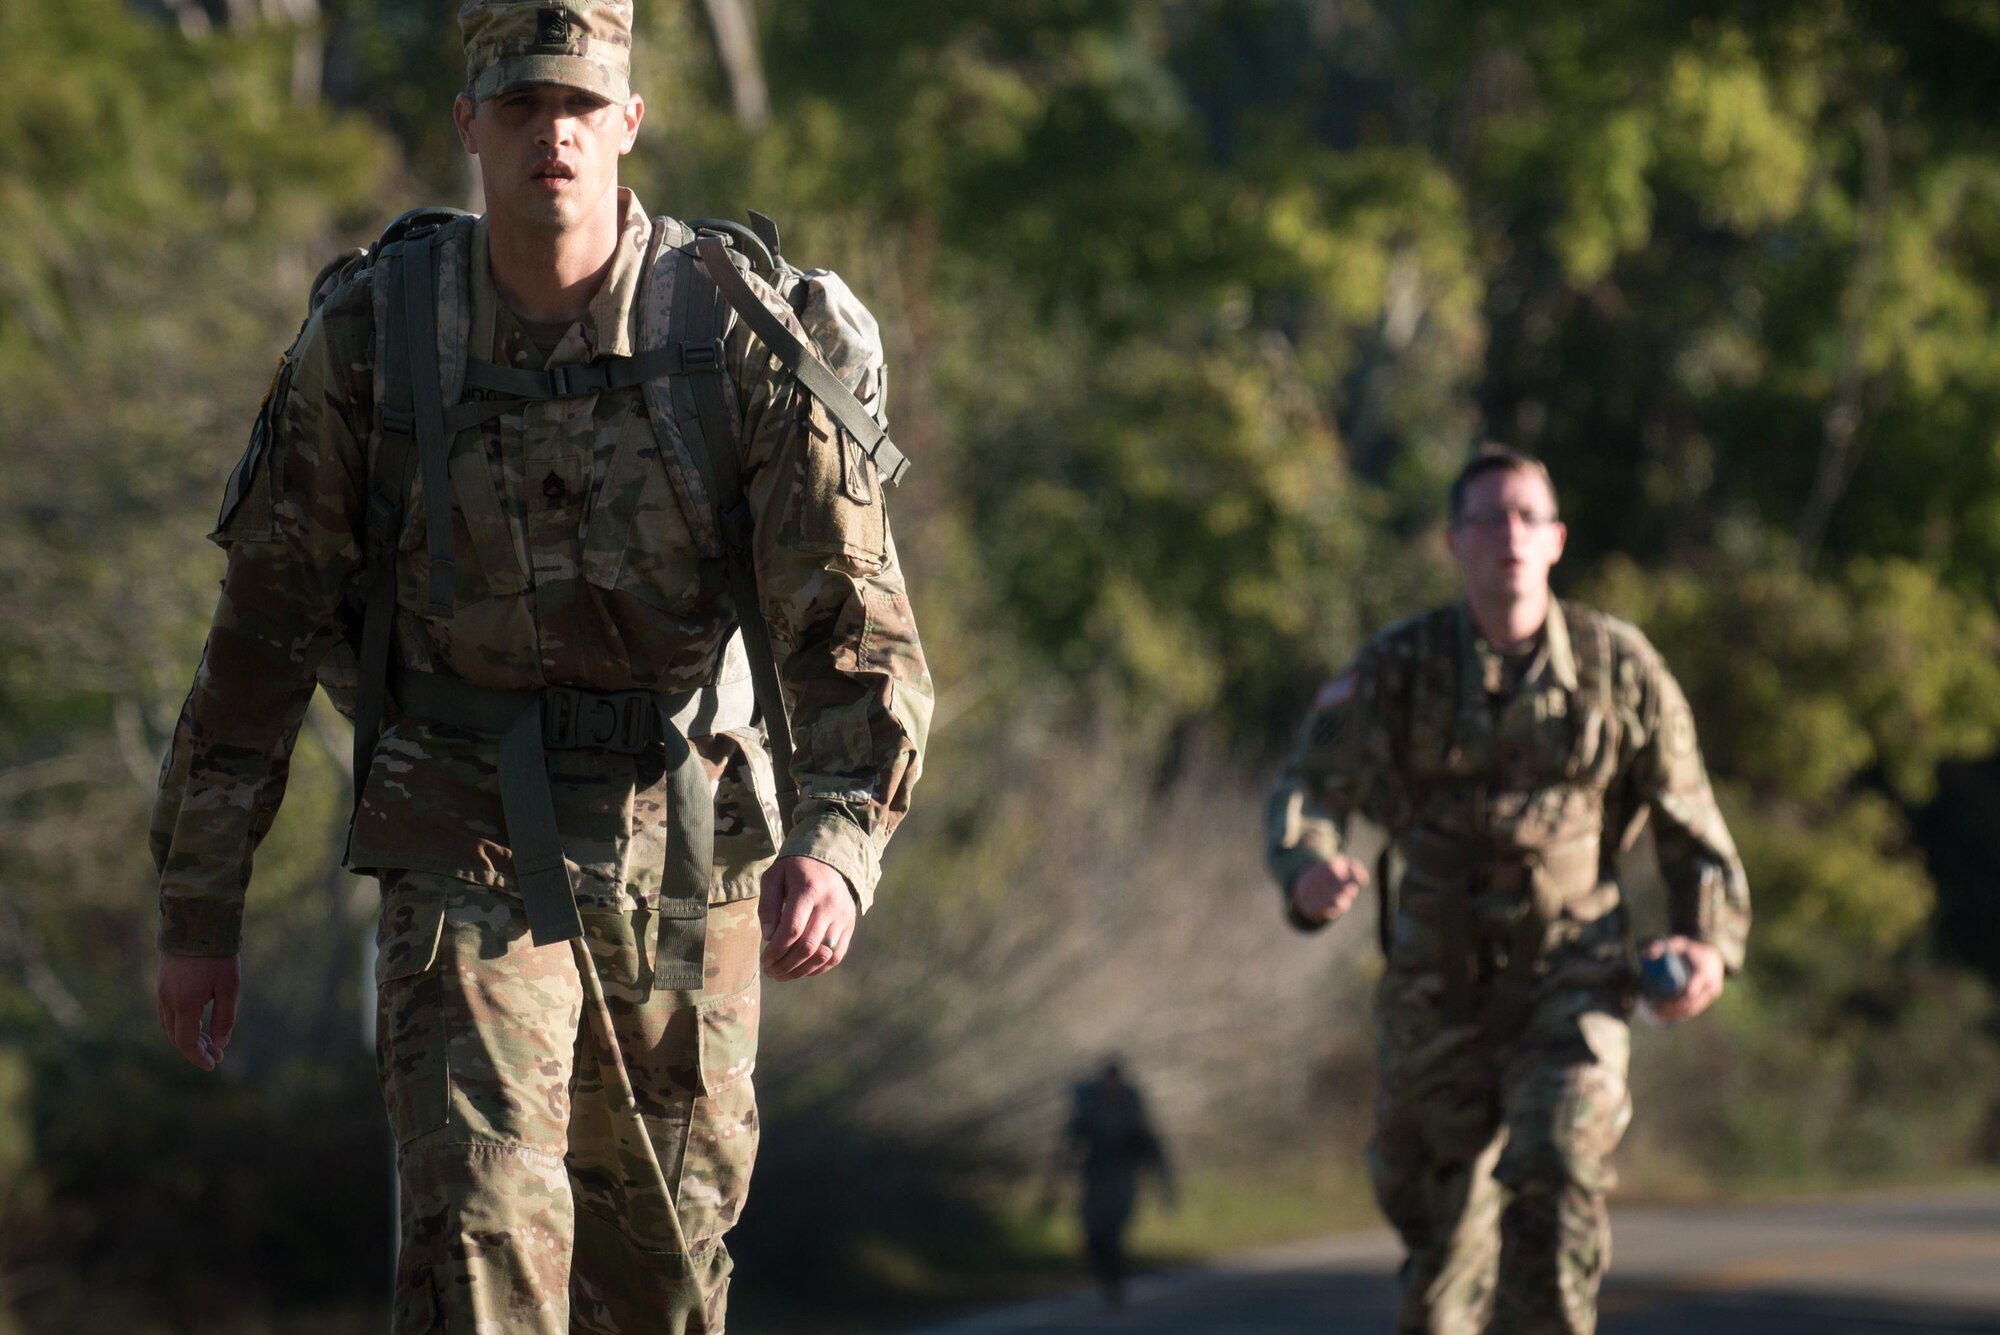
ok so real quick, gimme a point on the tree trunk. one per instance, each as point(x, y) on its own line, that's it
point(734, 25)
point(1842, 451)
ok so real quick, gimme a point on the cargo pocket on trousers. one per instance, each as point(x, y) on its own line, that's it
point(721, 1149)
point(409, 1014)
point(726, 1029)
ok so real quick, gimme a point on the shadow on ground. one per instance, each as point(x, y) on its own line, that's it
point(1336, 1301)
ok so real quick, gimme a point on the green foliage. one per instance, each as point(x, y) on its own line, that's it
point(1823, 680)
point(1193, 309)
point(1889, 1085)
point(123, 140)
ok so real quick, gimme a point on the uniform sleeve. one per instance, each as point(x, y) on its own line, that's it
point(290, 525)
point(1328, 778)
point(1708, 896)
point(842, 629)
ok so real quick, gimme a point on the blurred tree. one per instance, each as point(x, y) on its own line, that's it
point(1193, 308)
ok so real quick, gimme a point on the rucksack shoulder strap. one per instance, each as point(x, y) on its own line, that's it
point(1595, 657)
point(691, 290)
point(713, 438)
point(412, 440)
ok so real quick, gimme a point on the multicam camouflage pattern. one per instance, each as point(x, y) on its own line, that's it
point(572, 1142)
point(746, 811)
point(579, 561)
point(1489, 1159)
point(583, 44)
point(846, 331)
point(1508, 786)
point(577, 565)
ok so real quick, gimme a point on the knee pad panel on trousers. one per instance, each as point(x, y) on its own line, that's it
point(719, 1141)
point(486, 1238)
point(1567, 1107)
point(627, 1289)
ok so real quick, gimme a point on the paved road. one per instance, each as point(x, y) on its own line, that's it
point(1905, 1264)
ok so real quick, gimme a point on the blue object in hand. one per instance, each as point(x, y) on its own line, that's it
point(1664, 977)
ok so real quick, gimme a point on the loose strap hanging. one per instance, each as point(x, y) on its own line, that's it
point(813, 373)
point(530, 724)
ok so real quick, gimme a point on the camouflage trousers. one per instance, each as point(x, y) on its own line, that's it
point(1489, 1157)
point(572, 1144)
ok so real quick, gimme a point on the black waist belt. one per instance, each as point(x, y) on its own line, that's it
point(532, 723)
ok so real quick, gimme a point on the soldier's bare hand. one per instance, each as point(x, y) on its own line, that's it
point(188, 985)
point(808, 914)
point(1323, 893)
point(1705, 977)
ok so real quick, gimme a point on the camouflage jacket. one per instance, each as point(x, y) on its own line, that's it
point(575, 566)
point(1427, 737)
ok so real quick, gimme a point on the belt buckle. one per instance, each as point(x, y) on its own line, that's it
point(561, 706)
point(637, 713)
point(607, 722)
point(575, 719)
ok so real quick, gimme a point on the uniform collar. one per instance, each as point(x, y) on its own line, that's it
point(1555, 638)
point(609, 327)
point(1556, 657)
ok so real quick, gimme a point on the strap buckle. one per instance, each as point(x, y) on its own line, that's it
point(398, 421)
point(738, 527)
point(626, 722)
point(702, 356)
point(575, 379)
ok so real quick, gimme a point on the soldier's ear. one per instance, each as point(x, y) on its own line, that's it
point(635, 111)
point(463, 113)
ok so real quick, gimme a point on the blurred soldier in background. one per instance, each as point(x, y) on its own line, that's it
point(1508, 743)
point(528, 472)
point(1108, 1142)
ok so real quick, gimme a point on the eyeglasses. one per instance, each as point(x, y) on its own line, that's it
point(1496, 518)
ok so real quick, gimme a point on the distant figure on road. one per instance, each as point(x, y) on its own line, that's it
point(1508, 743)
point(1108, 1142)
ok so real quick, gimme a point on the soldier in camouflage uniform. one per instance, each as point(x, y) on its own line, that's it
point(575, 1120)
point(1508, 743)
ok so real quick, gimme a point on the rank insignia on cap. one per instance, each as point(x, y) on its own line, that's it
point(551, 27)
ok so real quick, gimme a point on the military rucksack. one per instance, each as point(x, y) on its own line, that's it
point(682, 350)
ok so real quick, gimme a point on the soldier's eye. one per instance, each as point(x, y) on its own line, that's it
point(1498, 517)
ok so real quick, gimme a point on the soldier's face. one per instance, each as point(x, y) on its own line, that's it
point(548, 155)
point(1506, 536)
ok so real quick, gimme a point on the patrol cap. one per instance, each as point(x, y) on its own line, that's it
point(583, 44)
